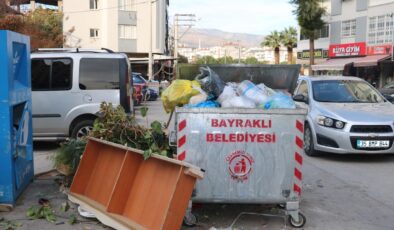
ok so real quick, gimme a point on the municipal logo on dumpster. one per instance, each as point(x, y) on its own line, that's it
point(240, 165)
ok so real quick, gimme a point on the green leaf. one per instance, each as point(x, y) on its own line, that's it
point(147, 154)
point(50, 218)
point(32, 213)
point(156, 127)
point(144, 111)
point(164, 153)
point(72, 219)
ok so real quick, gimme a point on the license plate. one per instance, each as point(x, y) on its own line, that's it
point(372, 144)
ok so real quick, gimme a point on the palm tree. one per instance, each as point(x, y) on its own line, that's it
point(309, 16)
point(289, 40)
point(274, 41)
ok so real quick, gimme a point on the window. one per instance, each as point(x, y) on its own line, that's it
point(322, 33)
point(303, 89)
point(348, 28)
point(97, 73)
point(93, 4)
point(380, 30)
point(127, 5)
point(94, 33)
point(127, 32)
point(51, 74)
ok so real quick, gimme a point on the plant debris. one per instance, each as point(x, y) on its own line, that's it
point(116, 126)
point(9, 224)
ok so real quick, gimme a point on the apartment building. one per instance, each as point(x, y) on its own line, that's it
point(119, 25)
point(359, 41)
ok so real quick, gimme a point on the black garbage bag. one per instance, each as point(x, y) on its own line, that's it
point(210, 82)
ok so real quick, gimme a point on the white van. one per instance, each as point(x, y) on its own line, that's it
point(68, 87)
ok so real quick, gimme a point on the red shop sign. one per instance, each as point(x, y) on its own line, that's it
point(347, 50)
point(379, 50)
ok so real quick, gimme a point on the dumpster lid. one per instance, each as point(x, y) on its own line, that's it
point(283, 77)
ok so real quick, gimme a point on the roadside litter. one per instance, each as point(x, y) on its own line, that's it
point(122, 190)
point(208, 90)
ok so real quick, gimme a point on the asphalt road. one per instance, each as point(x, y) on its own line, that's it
point(339, 192)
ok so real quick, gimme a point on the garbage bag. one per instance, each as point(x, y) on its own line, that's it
point(210, 81)
point(238, 102)
point(228, 93)
point(268, 90)
point(205, 104)
point(253, 93)
point(198, 99)
point(280, 101)
point(179, 93)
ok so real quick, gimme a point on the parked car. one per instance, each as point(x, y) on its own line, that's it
point(68, 87)
point(345, 115)
point(388, 91)
point(142, 86)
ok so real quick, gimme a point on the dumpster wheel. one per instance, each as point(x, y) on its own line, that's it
point(190, 220)
point(300, 223)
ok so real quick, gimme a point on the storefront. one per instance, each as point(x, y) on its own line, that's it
point(321, 56)
point(355, 59)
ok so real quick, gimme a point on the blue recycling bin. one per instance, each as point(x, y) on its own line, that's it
point(16, 149)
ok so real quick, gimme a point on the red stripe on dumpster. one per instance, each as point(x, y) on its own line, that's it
point(297, 189)
point(299, 142)
point(181, 141)
point(182, 156)
point(298, 158)
point(182, 125)
point(298, 174)
point(300, 126)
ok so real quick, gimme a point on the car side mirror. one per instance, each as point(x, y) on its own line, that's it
point(300, 98)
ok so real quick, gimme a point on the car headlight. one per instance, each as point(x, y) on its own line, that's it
point(329, 122)
point(339, 124)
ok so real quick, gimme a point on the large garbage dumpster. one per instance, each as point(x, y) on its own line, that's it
point(16, 149)
point(250, 155)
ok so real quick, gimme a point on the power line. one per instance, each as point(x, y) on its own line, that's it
point(110, 8)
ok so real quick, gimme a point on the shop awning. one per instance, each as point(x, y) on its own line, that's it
point(339, 63)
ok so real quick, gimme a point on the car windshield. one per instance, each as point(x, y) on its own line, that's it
point(345, 91)
point(137, 79)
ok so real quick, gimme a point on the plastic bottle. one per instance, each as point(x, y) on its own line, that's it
point(252, 92)
point(280, 101)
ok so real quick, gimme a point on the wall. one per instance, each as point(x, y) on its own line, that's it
point(75, 14)
point(107, 20)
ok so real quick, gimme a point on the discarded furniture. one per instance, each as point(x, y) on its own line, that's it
point(125, 191)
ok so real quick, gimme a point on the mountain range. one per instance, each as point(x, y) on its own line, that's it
point(214, 37)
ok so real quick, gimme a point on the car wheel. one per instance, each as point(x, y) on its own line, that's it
point(82, 129)
point(309, 147)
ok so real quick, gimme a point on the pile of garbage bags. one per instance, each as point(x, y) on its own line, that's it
point(209, 91)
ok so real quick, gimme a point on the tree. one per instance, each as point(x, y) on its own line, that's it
point(309, 16)
point(206, 60)
point(273, 41)
point(43, 26)
point(226, 60)
point(251, 60)
point(182, 59)
point(289, 40)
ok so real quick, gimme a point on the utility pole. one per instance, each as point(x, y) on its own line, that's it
point(150, 61)
point(181, 20)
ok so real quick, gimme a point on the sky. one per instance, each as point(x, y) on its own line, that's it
point(243, 16)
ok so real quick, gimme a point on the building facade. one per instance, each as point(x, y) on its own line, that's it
point(119, 25)
point(360, 37)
